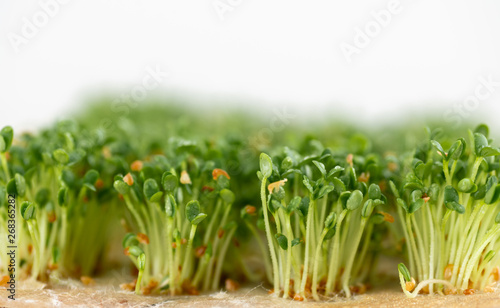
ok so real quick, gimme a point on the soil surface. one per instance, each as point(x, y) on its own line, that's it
point(107, 293)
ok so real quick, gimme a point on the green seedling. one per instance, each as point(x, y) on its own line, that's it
point(447, 215)
point(307, 244)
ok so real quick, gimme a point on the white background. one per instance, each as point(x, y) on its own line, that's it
point(284, 53)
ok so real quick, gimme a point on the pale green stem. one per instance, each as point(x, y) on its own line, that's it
point(446, 172)
point(413, 245)
point(334, 257)
point(423, 250)
point(187, 257)
point(138, 283)
point(274, 261)
point(475, 257)
point(421, 285)
point(36, 245)
point(407, 238)
point(288, 267)
point(5, 166)
point(470, 241)
point(264, 252)
point(350, 260)
point(171, 264)
point(458, 255)
point(316, 263)
point(210, 227)
point(310, 217)
point(360, 260)
point(432, 248)
point(220, 261)
point(442, 260)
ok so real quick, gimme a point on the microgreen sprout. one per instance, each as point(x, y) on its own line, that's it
point(447, 203)
point(324, 211)
point(322, 226)
point(59, 218)
point(167, 203)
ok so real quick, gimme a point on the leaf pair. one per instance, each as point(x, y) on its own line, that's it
point(482, 147)
point(17, 186)
point(330, 225)
point(456, 150)
point(451, 200)
point(193, 212)
point(6, 137)
point(283, 241)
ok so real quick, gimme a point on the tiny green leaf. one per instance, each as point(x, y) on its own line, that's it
point(297, 241)
point(42, 197)
point(141, 261)
point(62, 196)
point(404, 271)
point(450, 194)
point(266, 165)
point(287, 163)
point(121, 187)
point(377, 218)
point(455, 206)
point(394, 190)
point(480, 142)
point(169, 182)
point(170, 205)
point(482, 129)
point(282, 240)
point(331, 220)
point(20, 184)
point(151, 189)
point(457, 149)
point(135, 250)
point(416, 201)
point(403, 204)
point(307, 184)
point(320, 166)
point(489, 151)
point(339, 185)
point(8, 135)
point(11, 187)
point(324, 191)
point(90, 178)
point(334, 171)
point(355, 200)
point(492, 195)
point(374, 192)
point(294, 203)
point(28, 210)
point(331, 232)
point(60, 156)
point(199, 218)
point(130, 239)
point(304, 206)
point(466, 185)
point(438, 146)
point(227, 196)
point(192, 210)
point(274, 205)
point(367, 209)
point(68, 178)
